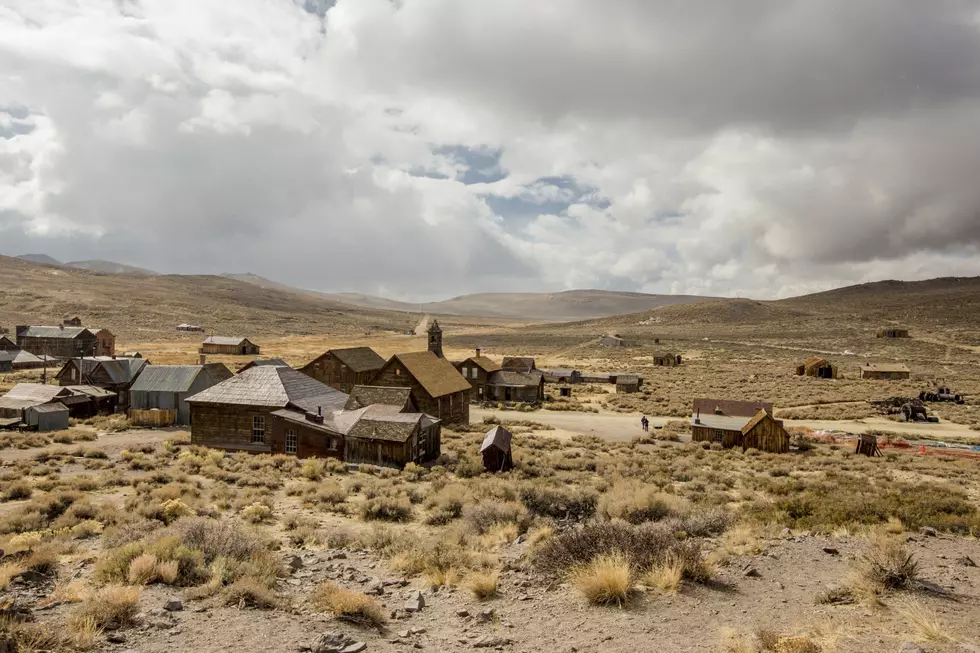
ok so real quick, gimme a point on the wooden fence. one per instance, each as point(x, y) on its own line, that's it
point(155, 417)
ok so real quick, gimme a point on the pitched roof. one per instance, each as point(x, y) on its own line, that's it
point(486, 364)
point(37, 391)
point(217, 371)
point(272, 386)
point(721, 422)
point(54, 332)
point(224, 340)
point(885, 367)
point(89, 391)
point(379, 422)
point(517, 363)
point(167, 378)
point(368, 395)
point(119, 370)
point(49, 408)
point(498, 437)
point(815, 360)
point(514, 379)
point(761, 415)
point(627, 378)
point(359, 359)
point(264, 362)
point(730, 407)
point(436, 375)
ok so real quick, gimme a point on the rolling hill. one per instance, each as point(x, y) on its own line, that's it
point(111, 267)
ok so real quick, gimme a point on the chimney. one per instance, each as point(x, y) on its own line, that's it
point(204, 359)
point(318, 418)
point(479, 352)
point(697, 417)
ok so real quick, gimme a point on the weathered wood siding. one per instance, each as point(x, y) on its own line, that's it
point(82, 345)
point(495, 460)
point(476, 376)
point(727, 439)
point(450, 409)
point(531, 394)
point(768, 435)
point(229, 427)
point(156, 418)
point(328, 369)
point(378, 452)
point(878, 375)
point(246, 349)
point(311, 442)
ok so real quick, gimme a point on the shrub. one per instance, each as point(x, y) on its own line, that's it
point(636, 503)
point(250, 592)
point(484, 516)
point(312, 468)
point(173, 510)
point(558, 503)
point(109, 608)
point(666, 575)
point(888, 565)
point(607, 579)
point(17, 491)
point(482, 584)
point(347, 605)
point(256, 513)
point(386, 508)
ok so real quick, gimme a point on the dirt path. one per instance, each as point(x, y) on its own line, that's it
point(111, 443)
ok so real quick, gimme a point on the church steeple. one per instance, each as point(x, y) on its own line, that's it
point(435, 339)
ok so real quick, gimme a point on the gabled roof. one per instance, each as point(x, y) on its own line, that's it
point(498, 437)
point(37, 391)
point(379, 422)
point(514, 379)
point(368, 395)
point(761, 415)
point(627, 378)
point(486, 364)
point(815, 360)
point(55, 332)
point(358, 359)
point(234, 341)
point(119, 370)
point(885, 367)
point(264, 362)
point(517, 363)
point(167, 378)
point(274, 387)
point(49, 408)
point(217, 371)
point(436, 375)
point(730, 407)
point(721, 422)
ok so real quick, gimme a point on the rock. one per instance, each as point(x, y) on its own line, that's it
point(356, 647)
point(418, 630)
point(462, 613)
point(966, 561)
point(751, 572)
point(339, 555)
point(377, 588)
point(928, 531)
point(831, 551)
point(336, 643)
point(294, 562)
point(173, 604)
point(911, 647)
point(488, 641)
point(486, 615)
point(404, 633)
point(415, 603)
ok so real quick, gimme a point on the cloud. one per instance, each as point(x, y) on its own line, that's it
point(436, 147)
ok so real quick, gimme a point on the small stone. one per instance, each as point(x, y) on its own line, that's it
point(173, 604)
point(486, 615)
point(294, 562)
point(415, 603)
point(404, 633)
point(377, 588)
point(488, 641)
point(418, 630)
point(831, 551)
point(928, 531)
point(114, 638)
point(462, 613)
point(911, 647)
point(751, 572)
point(966, 561)
point(356, 647)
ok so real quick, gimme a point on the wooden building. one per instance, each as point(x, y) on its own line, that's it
point(612, 340)
point(369, 395)
point(24, 395)
point(345, 368)
point(437, 388)
point(6, 344)
point(229, 346)
point(495, 450)
point(235, 414)
point(72, 321)
point(820, 368)
point(666, 359)
point(435, 338)
point(167, 387)
point(259, 362)
point(628, 383)
point(190, 328)
point(115, 374)
point(733, 424)
point(885, 371)
point(58, 341)
point(477, 370)
point(105, 342)
point(519, 387)
point(892, 332)
point(46, 417)
point(562, 375)
point(524, 364)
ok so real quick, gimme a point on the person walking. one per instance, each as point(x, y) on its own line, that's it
point(645, 423)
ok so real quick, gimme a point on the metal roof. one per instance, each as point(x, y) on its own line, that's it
point(54, 332)
point(885, 367)
point(42, 393)
point(225, 340)
point(49, 408)
point(722, 422)
point(510, 378)
point(167, 378)
point(272, 386)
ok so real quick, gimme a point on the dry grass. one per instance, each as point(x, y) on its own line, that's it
point(886, 564)
point(347, 605)
point(925, 621)
point(666, 576)
point(606, 580)
point(250, 592)
point(112, 607)
point(483, 585)
point(9, 571)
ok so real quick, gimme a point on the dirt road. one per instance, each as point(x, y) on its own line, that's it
point(111, 443)
point(626, 426)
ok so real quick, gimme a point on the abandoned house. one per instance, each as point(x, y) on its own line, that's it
point(438, 389)
point(666, 359)
point(369, 395)
point(72, 321)
point(519, 364)
point(495, 450)
point(105, 342)
point(46, 417)
point(6, 344)
point(57, 341)
point(628, 383)
point(115, 374)
point(190, 328)
point(892, 332)
point(345, 368)
point(598, 377)
point(562, 375)
point(6, 361)
point(885, 371)
point(510, 386)
point(745, 424)
point(235, 414)
point(820, 368)
point(88, 401)
point(230, 346)
point(612, 340)
point(24, 395)
point(167, 387)
point(260, 362)
point(477, 370)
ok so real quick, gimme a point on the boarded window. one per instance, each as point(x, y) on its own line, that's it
point(258, 428)
point(290, 441)
point(332, 444)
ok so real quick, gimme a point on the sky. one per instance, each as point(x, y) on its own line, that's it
point(421, 149)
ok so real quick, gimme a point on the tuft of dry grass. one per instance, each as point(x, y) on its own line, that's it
point(436, 577)
point(666, 576)
point(483, 584)
point(112, 607)
point(886, 565)
point(347, 605)
point(925, 621)
point(606, 580)
point(250, 592)
point(9, 571)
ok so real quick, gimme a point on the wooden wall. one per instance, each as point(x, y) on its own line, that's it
point(310, 441)
point(156, 418)
point(60, 347)
point(768, 435)
point(450, 409)
point(328, 369)
point(228, 427)
point(231, 350)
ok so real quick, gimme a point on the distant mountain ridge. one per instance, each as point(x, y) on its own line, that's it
point(94, 265)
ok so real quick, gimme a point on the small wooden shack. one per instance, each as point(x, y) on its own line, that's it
point(72, 321)
point(229, 346)
point(730, 424)
point(562, 375)
point(885, 371)
point(612, 340)
point(892, 332)
point(628, 383)
point(817, 367)
point(511, 386)
point(496, 451)
point(46, 417)
point(666, 359)
point(167, 387)
point(477, 370)
point(6, 361)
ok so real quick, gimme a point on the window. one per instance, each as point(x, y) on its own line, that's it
point(718, 435)
point(258, 428)
point(332, 444)
point(290, 441)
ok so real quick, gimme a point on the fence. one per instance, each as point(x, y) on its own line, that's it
point(153, 417)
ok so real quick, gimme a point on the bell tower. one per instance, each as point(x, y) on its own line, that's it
point(435, 338)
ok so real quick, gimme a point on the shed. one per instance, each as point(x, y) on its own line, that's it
point(817, 367)
point(24, 395)
point(167, 387)
point(6, 361)
point(46, 417)
point(885, 371)
point(562, 375)
point(892, 332)
point(72, 321)
point(736, 428)
point(509, 385)
point(628, 383)
point(231, 346)
point(496, 450)
point(666, 359)
point(612, 340)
